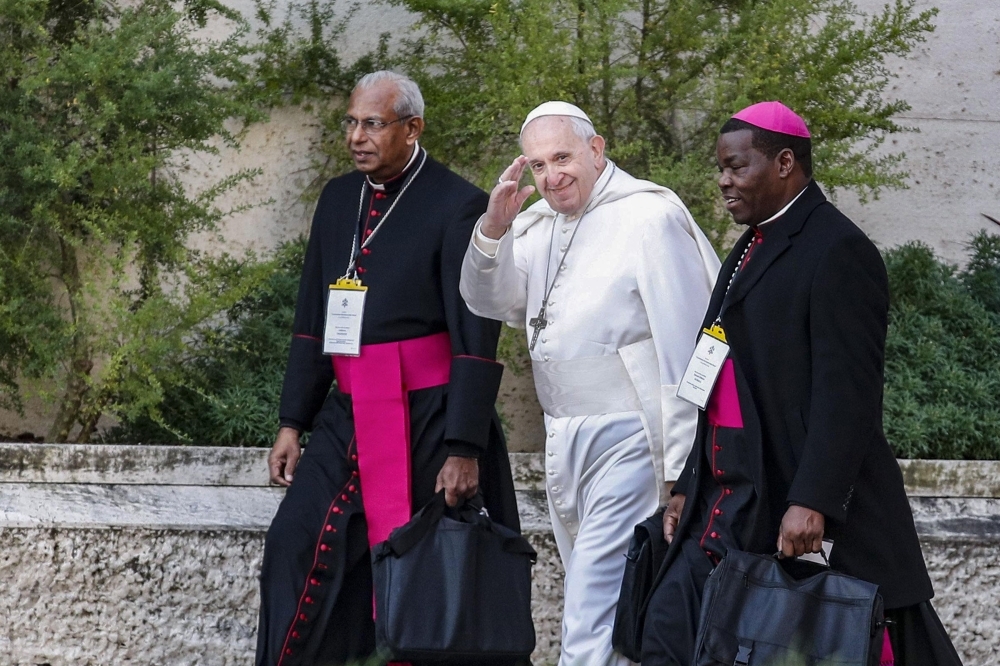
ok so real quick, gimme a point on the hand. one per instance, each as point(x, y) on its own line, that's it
point(284, 456)
point(801, 531)
point(460, 479)
point(672, 516)
point(506, 200)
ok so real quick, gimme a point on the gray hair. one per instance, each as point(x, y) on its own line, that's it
point(580, 127)
point(409, 102)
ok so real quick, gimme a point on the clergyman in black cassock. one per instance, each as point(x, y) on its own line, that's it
point(316, 583)
point(790, 449)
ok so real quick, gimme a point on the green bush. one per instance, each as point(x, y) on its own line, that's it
point(104, 103)
point(943, 353)
point(230, 384)
point(942, 361)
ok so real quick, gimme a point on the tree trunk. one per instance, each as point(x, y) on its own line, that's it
point(80, 363)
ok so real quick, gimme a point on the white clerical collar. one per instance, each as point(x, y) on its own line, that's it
point(783, 210)
point(602, 182)
point(380, 187)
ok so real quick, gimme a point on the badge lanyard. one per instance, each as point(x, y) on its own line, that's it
point(345, 306)
point(540, 322)
point(705, 365)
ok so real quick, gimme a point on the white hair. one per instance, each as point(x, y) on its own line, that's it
point(580, 127)
point(409, 101)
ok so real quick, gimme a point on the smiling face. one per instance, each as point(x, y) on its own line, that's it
point(384, 154)
point(565, 166)
point(754, 186)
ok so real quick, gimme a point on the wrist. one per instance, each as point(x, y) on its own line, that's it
point(493, 231)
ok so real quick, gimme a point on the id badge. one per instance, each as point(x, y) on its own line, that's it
point(704, 367)
point(345, 311)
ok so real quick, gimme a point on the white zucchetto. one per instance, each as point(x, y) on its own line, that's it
point(555, 109)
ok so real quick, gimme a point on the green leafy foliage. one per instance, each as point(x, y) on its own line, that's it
point(942, 361)
point(229, 383)
point(659, 78)
point(102, 105)
point(943, 353)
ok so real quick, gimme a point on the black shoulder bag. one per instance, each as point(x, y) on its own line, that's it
point(453, 587)
point(645, 554)
point(757, 610)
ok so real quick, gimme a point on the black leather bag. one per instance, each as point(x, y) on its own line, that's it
point(759, 610)
point(453, 587)
point(645, 554)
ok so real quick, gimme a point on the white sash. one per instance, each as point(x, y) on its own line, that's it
point(628, 381)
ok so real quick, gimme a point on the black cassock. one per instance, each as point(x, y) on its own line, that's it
point(806, 319)
point(316, 595)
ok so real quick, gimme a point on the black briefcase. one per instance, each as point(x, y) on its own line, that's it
point(645, 554)
point(453, 587)
point(759, 610)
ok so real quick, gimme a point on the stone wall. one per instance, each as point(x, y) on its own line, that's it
point(951, 81)
point(149, 555)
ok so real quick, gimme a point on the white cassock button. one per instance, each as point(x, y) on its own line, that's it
point(565, 230)
point(559, 503)
point(556, 489)
point(545, 339)
point(552, 434)
point(552, 472)
point(563, 267)
point(551, 453)
point(562, 249)
point(555, 286)
point(547, 358)
point(562, 515)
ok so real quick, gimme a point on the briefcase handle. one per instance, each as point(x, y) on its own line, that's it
point(403, 538)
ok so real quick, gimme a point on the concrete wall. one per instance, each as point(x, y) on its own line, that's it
point(150, 555)
point(953, 84)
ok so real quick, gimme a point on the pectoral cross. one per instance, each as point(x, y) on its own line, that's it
point(537, 323)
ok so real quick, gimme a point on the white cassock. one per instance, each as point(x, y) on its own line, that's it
point(622, 318)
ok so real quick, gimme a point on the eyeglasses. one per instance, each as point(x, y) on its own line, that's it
point(369, 126)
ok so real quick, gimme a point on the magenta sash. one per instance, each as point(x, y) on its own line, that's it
point(378, 382)
point(724, 403)
point(888, 658)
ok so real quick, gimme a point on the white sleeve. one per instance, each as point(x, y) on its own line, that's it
point(676, 272)
point(484, 243)
point(493, 283)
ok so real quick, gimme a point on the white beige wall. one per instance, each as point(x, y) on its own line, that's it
point(953, 84)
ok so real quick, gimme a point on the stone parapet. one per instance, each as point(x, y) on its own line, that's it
point(150, 555)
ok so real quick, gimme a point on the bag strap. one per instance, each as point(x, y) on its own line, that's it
point(409, 535)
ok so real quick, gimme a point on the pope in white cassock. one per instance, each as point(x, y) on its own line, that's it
point(611, 277)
